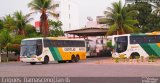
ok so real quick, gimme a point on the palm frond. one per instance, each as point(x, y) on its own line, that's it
point(53, 14)
point(112, 29)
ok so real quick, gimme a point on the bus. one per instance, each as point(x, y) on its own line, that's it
point(132, 45)
point(43, 50)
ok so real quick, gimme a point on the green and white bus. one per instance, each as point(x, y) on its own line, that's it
point(132, 45)
point(43, 50)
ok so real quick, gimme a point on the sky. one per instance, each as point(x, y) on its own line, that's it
point(87, 8)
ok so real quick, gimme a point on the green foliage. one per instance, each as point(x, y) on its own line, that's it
point(14, 48)
point(1, 24)
point(57, 32)
point(152, 58)
point(149, 19)
point(5, 40)
point(120, 20)
point(44, 7)
point(156, 7)
point(142, 58)
point(9, 23)
point(31, 31)
point(5, 37)
point(116, 59)
point(137, 58)
point(55, 24)
point(17, 39)
point(21, 22)
point(144, 10)
point(56, 28)
point(109, 44)
point(123, 57)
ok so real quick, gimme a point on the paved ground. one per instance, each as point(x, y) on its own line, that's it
point(93, 67)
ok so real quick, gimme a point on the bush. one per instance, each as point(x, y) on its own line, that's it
point(123, 57)
point(109, 44)
point(152, 58)
point(116, 59)
point(137, 58)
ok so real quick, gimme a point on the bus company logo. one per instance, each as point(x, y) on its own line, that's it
point(81, 49)
point(69, 49)
point(134, 46)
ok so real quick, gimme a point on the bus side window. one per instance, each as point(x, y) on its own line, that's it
point(151, 39)
point(158, 38)
point(46, 43)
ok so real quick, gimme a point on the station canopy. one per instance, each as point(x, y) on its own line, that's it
point(88, 32)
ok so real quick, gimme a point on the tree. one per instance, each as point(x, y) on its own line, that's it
point(1, 24)
point(144, 13)
point(9, 23)
point(5, 40)
point(44, 7)
point(149, 19)
point(56, 28)
point(31, 31)
point(120, 20)
point(21, 21)
point(156, 10)
point(55, 24)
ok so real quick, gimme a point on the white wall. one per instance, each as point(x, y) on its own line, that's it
point(68, 15)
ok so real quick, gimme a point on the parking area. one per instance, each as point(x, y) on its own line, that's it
point(92, 67)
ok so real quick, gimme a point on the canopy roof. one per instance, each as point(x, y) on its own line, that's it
point(88, 32)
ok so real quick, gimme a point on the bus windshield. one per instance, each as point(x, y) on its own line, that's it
point(121, 44)
point(31, 47)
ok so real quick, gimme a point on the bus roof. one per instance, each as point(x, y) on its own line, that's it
point(136, 34)
point(53, 38)
point(63, 38)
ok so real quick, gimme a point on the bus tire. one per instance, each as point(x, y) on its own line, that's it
point(134, 55)
point(72, 59)
point(46, 60)
point(77, 58)
point(32, 63)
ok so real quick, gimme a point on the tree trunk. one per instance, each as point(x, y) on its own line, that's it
point(21, 31)
point(44, 28)
point(7, 53)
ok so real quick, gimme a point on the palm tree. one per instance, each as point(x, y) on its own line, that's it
point(5, 40)
point(44, 7)
point(120, 20)
point(1, 24)
point(156, 7)
point(21, 21)
point(9, 23)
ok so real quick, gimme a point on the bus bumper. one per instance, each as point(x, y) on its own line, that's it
point(29, 60)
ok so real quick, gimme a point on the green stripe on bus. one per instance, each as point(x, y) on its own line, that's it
point(155, 48)
point(148, 49)
point(58, 54)
point(55, 53)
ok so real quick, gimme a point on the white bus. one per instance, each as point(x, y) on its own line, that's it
point(132, 45)
point(43, 50)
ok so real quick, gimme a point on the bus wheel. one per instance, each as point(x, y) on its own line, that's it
point(32, 63)
point(134, 55)
point(77, 58)
point(72, 59)
point(46, 60)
